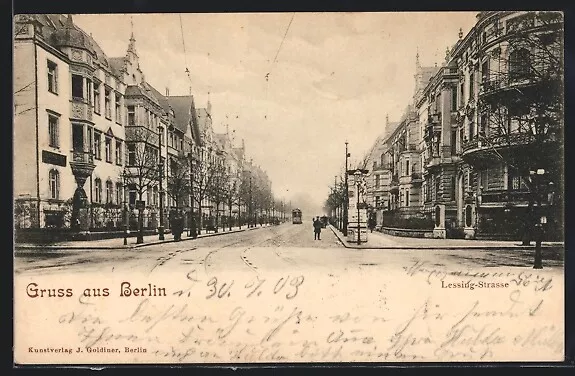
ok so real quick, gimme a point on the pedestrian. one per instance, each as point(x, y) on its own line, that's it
point(316, 228)
point(371, 223)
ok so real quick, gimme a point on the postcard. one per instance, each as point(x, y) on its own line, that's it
point(255, 188)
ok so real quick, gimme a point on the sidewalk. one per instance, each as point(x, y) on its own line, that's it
point(118, 243)
point(378, 240)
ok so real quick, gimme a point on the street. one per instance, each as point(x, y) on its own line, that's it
point(261, 249)
point(274, 294)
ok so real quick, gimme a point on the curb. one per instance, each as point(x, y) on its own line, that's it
point(346, 244)
point(23, 247)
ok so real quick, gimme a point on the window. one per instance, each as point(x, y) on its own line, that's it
point(437, 187)
point(53, 130)
point(52, 77)
point(407, 197)
point(109, 192)
point(407, 167)
point(107, 103)
point(97, 98)
point(485, 71)
point(89, 90)
point(119, 152)
point(77, 87)
point(118, 108)
point(472, 85)
point(108, 149)
point(97, 145)
point(519, 64)
point(131, 154)
point(54, 181)
point(98, 190)
point(453, 99)
point(131, 115)
point(461, 93)
point(119, 193)
point(453, 142)
point(377, 181)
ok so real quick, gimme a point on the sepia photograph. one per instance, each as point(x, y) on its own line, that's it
point(278, 188)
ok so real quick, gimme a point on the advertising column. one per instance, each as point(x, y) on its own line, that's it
point(357, 209)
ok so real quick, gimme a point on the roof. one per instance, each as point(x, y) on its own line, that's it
point(185, 114)
point(182, 113)
point(59, 30)
point(161, 99)
point(116, 65)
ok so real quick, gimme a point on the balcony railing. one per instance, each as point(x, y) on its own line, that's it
point(80, 156)
point(80, 109)
point(503, 196)
point(511, 80)
point(513, 139)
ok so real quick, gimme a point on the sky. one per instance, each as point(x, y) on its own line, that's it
point(335, 78)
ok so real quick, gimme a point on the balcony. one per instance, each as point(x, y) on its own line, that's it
point(140, 133)
point(504, 196)
point(482, 147)
point(80, 156)
point(80, 110)
point(416, 178)
point(511, 86)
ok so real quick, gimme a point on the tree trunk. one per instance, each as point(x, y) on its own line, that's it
point(201, 219)
point(526, 239)
point(239, 214)
point(140, 237)
point(230, 215)
point(217, 216)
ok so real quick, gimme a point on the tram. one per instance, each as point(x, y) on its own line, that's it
point(296, 216)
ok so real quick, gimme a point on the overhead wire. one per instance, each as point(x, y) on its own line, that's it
point(267, 76)
point(280, 47)
point(187, 71)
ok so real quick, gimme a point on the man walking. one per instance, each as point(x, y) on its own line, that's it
point(316, 229)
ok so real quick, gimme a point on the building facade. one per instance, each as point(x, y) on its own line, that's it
point(479, 153)
point(97, 146)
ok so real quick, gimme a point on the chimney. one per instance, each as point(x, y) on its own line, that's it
point(167, 92)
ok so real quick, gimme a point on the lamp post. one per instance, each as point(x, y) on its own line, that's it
point(125, 208)
point(346, 196)
point(536, 177)
point(192, 226)
point(358, 183)
point(161, 173)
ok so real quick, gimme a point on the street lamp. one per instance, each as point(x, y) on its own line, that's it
point(125, 208)
point(346, 198)
point(192, 225)
point(357, 175)
point(536, 177)
point(161, 173)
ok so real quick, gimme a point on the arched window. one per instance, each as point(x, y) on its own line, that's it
point(54, 182)
point(97, 190)
point(519, 64)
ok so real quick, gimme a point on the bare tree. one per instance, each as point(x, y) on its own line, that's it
point(522, 106)
point(142, 166)
point(231, 193)
point(204, 173)
point(218, 184)
point(178, 179)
